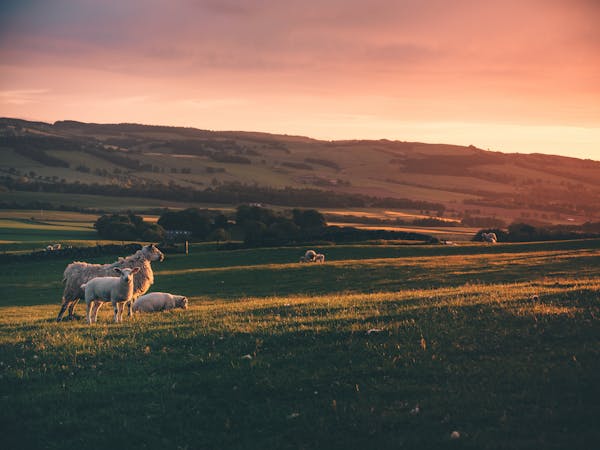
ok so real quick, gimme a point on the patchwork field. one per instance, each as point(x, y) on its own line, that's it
point(387, 346)
point(463, 180)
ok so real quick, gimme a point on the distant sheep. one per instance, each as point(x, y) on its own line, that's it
point(303, 259)
point(320, 258)
point(78, 273)
point(117, 290)
point(310, 255)
point(159, 301)
point(489, 237)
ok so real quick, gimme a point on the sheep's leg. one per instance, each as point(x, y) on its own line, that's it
point(63, 308)
point(129, 304)
point(71, 308)
point(88, 306)
point(116, 311)
point(95, 309)
point(120, 307)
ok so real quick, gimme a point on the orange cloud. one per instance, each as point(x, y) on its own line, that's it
point(380, 68)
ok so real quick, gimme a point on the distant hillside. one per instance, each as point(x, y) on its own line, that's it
point(230, 166)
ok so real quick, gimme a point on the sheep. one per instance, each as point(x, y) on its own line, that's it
point(489, 237)
point(303, 259)
point(320, 258)
point(117, 290)
point(310, 255)
point(79, 272)
point(159, 301)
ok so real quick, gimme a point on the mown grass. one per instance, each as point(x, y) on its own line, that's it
point(275, 354)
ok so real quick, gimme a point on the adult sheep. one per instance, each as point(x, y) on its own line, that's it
point(489, 237)
point(320, 258)
point(78, 273)
point(117, 290)
point(310, 255)
point(159, 301)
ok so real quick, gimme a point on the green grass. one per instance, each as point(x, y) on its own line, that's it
point(461, 339)
point(103, 202)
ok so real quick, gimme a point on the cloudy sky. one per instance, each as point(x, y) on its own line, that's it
point(510, 75)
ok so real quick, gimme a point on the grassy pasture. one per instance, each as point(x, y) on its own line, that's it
point(276, 354)
point(107, 203)
point(29, 230)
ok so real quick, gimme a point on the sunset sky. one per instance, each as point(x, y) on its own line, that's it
point(511, 75)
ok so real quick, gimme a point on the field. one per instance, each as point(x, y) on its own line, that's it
point(383, 346)
point(464, 180)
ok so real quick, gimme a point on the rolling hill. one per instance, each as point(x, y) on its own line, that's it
point(229, 167)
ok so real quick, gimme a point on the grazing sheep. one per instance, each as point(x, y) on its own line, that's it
point(117, 290)
point(310, 255)
point(79, 272)
point(303, 259)
point(320, 258)
point(489, 237)
point(159, 301)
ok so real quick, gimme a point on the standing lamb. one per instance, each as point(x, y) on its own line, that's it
point(159, 301)
point(117, 290)
point(79, 272)
point(320, 258)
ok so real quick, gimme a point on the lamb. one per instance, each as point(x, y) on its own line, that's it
point(79, 272)
point(489, 237)
point(117, 290)
point(159, 301)
point(320, 258)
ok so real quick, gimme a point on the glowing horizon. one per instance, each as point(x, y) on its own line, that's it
point(520, 76)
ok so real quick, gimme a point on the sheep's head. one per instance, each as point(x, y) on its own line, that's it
point(152, 253)
point(127, 273)
point(181, 302)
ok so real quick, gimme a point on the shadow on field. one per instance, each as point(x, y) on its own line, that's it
point(258, 374)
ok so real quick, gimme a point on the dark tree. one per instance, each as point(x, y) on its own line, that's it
point(309, 219)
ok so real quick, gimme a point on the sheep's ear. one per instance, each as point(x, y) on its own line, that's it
point(135, 270)
point(118, 270)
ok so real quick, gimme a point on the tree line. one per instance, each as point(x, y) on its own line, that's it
point(257, 226)
point(524, 232)
point(230, 193)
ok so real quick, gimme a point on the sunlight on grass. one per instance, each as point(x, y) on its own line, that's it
point(358, 352)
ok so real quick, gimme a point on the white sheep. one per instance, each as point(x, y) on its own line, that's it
point(159, 301)
point(310, 255)
point(79, 272)
point(489, 237)
point(320, 258)
point(117, 290)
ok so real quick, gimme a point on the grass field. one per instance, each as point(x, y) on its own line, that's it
point(380, 347)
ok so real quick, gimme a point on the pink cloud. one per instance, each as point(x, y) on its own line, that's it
point(528, 62)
